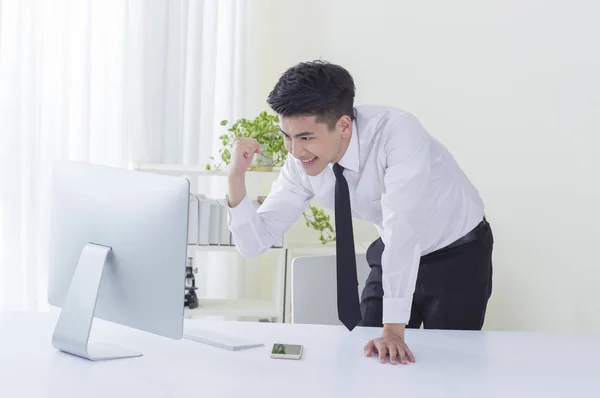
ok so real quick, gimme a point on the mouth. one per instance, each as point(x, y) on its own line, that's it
point(308, 162)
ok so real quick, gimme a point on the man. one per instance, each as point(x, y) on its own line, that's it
point(433, 262)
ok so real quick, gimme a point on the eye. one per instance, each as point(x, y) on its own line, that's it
point(306, 138)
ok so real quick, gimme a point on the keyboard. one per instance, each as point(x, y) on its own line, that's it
point(219, 339)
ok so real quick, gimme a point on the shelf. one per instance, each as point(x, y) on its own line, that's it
point(317, 247)
point(232, 307)
point(192, 169)
point(216, 248)
point(297, 247)
point(223, 307)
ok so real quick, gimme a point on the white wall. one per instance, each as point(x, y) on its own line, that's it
point(512, 87)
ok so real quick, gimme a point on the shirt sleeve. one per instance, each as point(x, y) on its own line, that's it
point(404, 214)
point(256, 230)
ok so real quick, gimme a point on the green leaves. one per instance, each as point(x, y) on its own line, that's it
point(264, 128)
point(320, 221)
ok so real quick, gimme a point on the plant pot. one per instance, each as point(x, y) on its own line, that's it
point(262, 161)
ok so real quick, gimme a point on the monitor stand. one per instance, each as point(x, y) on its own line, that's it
point(72, 330)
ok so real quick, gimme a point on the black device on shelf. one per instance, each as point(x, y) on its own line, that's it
point(191, 299)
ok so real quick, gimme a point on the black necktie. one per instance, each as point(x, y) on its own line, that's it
point(347, 280)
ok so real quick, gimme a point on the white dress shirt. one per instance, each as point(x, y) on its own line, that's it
point(400, 178)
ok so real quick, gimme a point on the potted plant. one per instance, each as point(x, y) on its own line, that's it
point(265, 129)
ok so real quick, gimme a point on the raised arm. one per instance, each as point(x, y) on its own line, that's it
point(254, 231)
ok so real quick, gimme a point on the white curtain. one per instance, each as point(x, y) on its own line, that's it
point(114, 82)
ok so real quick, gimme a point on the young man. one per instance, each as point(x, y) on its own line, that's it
point(433, 262)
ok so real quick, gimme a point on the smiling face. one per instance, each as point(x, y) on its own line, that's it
point(315, 143)
point(315, 104)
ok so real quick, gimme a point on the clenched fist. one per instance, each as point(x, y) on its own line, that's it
point(242, 154)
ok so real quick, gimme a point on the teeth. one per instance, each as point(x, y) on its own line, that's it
point(309, 160)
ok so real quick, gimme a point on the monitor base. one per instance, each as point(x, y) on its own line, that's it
point(72, 331)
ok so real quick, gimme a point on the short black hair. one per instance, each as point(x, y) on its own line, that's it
point(316, 88)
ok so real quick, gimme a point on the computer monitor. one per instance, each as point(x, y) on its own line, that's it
point(118, 251)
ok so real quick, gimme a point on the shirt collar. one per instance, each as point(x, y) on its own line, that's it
point(351, 159)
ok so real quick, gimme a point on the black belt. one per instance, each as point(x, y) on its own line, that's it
point(468, 238)
point(375, 250)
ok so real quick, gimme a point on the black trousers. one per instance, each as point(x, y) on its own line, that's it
point(452, 288)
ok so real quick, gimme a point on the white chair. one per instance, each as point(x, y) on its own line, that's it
point(314, 292)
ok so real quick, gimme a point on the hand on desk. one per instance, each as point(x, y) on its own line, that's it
point(391, 342)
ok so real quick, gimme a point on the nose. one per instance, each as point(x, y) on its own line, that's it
point(296, 149)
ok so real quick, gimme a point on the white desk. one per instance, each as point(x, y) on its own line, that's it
point(449, 364)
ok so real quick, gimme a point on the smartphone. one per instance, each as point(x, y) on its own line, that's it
point(286, 351)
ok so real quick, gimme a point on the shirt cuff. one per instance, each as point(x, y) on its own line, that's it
point(396, 310)
point(242, 213)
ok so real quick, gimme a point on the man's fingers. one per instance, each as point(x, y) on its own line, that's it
point(396, 348)
point(410, 355)
point(248, 146)
point(393, 354)
point(402, 356)
point(250, 150)
point(381, 347)
point(369, 348)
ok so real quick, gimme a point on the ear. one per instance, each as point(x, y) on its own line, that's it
point(345, 126)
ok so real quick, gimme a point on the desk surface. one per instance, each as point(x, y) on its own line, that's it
point(449, 364)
